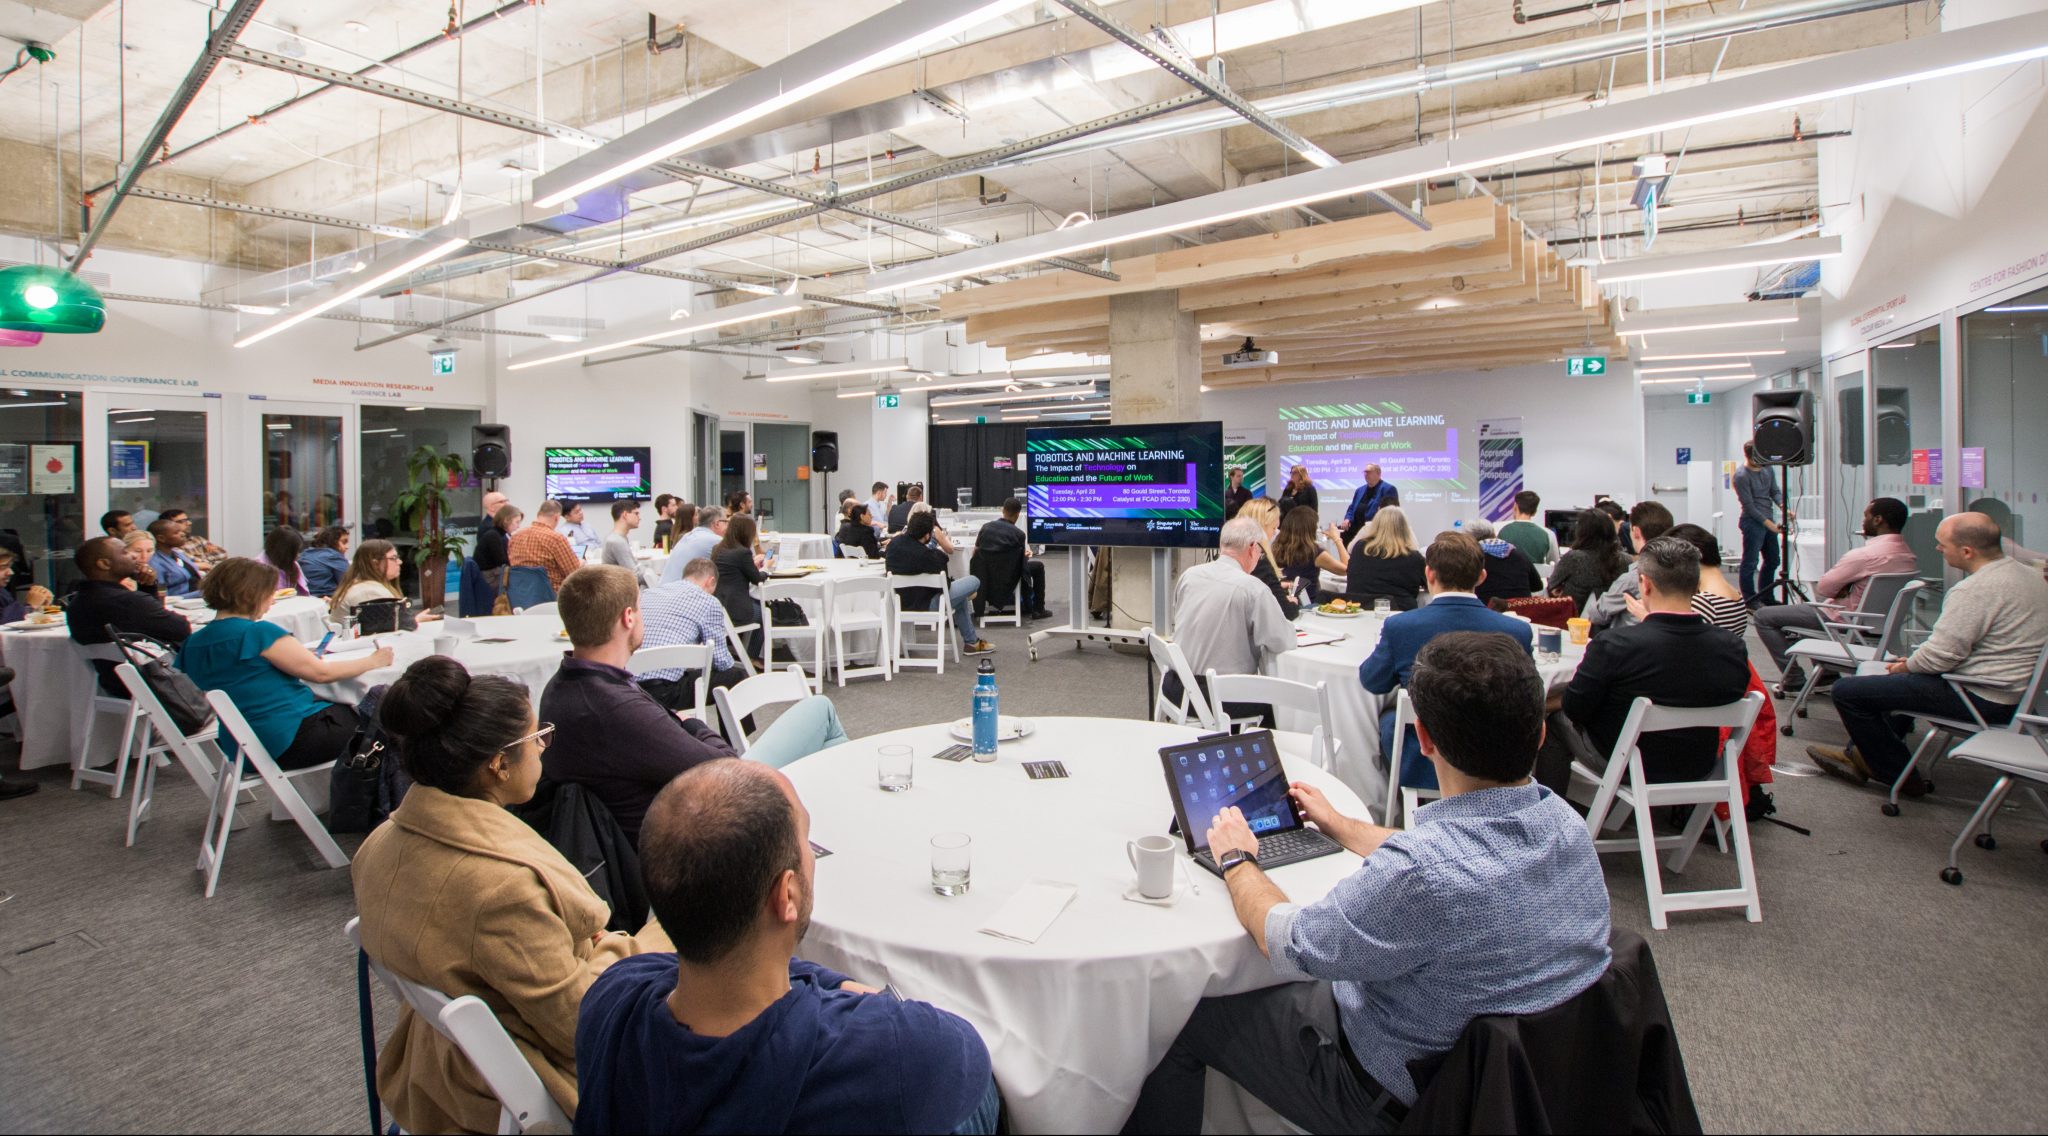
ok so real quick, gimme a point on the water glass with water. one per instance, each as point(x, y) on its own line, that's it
point(1382, 607)
point(952, 863)
point(892, 768)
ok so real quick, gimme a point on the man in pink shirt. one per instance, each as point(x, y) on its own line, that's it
point(1883, 552)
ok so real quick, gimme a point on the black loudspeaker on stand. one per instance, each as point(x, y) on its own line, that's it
point(490, 450)
point(824, 451)
point(1781, 424)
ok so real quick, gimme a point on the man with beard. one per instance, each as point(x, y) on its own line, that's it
point(1840, 589)
point(733, 1033)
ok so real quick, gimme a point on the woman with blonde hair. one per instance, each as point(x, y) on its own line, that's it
point(1266, 569)
point(371, 578)
point(1384, 562)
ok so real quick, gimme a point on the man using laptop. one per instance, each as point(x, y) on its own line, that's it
point(1492, 904)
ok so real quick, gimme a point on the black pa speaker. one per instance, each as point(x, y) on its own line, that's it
point(824, 451)
point(1782, 426)
point(490, 450)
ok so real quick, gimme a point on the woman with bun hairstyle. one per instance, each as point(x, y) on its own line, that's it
point(458, 894)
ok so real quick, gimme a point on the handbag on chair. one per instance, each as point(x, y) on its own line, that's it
point(503, 604)
point(181, 697)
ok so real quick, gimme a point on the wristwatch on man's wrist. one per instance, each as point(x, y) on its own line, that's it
point(1233, 858)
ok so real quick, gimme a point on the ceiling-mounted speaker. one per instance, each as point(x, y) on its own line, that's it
point(490, 450)
point(1781, 423)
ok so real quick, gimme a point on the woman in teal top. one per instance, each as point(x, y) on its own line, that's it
point(265, 671)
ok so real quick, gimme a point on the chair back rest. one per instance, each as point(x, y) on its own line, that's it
point(862, 595)
point(1170, 659)
point(684, 656)
point(1312, 699)
point(1898, 619)
point(1646, 717)
point(928, 580)
point(1550, 611)
point(249, 746)
point(202, 766)
point(769, 688)
point(1879, 591)
point(527, 585)
point(814, 597)
point(475, 1029)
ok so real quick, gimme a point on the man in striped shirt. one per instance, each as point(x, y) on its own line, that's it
point(682, 613)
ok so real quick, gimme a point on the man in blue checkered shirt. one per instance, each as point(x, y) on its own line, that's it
point(1492, 904)
point(680, 613)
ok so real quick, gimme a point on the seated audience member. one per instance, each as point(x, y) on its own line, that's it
point(1301, 557)
point(1223, 621)
point(1592, 563)
point(1266, 569)
point(23, 574)
point(612, 737)
point(922, 549)
point(1674, 657)
point(1647, 521)
point(1003, 549)
point(538, 545)
point(684, 522)
point(1493, 903)
point(16, 606)
point(202, 551)
point(1455, 568)
point(739, 571)
point(1525, 532)
point(680, 614)
point(857, 531)
point(1509, 573)
point(458, 894)
point(281, 548)
point(733, 1032)
point(326, 561)
point(618, 546)
point(582, 538)
point(373, 577)
point(665, 506)
point(1384, 564)
point(899, 513)
point(1619, 516)
point(1718, 601)
point(1883, 553)
point(1298, 492)
point(487, 515)
point(177, 574)
point(108, 597)
point(265, 670)
point(740, 501)
point(698, 543)
point(1990, 632)
point(493, 548)
point(142, 546)
point(879, 500)
point(117, 523)
point(1236, 493)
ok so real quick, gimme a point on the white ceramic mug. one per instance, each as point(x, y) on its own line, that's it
point(1152, 856)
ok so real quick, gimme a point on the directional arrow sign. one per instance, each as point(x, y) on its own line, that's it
point(1585, 365)
point(1698, 398)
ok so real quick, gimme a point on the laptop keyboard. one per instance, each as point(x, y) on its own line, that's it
point(1300, 844)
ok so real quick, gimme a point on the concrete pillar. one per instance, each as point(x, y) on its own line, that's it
point(1155, 375)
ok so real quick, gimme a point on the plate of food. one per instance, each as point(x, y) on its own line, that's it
point(49, 617)
point(1008, 728)
point(285, 593)
point(1340, 609)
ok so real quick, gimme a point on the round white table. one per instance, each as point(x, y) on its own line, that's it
point(799, 546)
point(530, 652)
point(1075, 1021)
point(1357, 710)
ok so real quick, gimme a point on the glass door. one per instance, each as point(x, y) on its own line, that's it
point(1849, 487)
point(42, 518)
point(308, 463)
point(154, 454)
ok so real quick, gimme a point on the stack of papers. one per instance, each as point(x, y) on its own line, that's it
point(1030, 912)
point(1306, 638)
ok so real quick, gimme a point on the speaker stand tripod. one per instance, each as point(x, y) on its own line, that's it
point(1785, 586)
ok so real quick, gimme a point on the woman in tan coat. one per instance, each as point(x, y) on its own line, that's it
point(459, 895)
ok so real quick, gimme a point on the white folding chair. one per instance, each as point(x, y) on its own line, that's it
point(2016, 752)
point(171, 742)
point(104, 703)
point(251, 754)
point(735, 641)
point(1405, 798)
point(1194, 707)
point(1851, 639)
point(1950, 729)
point(816, 601)
point(1016, 616)
point(678, 656)
point(548, 608)
point(469, 1022)
point(771, 688)
point(863, 603)
point(1623, 783)
point(1282, 694)
point(907, 623)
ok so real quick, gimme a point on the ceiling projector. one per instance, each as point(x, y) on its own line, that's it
point(1250, 356)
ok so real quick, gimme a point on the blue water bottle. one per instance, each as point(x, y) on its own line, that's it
point(985, 711)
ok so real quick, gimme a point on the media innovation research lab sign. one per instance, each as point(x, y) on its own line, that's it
point(1578, 365)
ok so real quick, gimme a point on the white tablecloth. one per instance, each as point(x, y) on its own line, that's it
point(1356, 710)
point(1076, 1020)
point(531, 657)
point(799, 546)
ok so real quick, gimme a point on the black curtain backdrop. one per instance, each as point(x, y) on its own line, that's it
point(966, 455)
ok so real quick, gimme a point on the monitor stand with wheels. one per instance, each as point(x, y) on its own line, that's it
point(1077, 628)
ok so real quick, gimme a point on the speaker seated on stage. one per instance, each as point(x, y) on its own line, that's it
point(1764, 518)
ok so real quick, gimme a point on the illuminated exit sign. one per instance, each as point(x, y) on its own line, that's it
point(444, 362)
point(1698, 398)
point(1585, 365)
point(888, 401)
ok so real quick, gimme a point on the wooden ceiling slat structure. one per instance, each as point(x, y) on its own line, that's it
point(1368, 297)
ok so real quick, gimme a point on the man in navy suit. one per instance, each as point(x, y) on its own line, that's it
point(1367, 501)
point(1453, 566)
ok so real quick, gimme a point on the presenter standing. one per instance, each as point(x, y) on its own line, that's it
point(1367, 501)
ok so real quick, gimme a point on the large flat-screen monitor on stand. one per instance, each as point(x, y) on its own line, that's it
point(1156, 485)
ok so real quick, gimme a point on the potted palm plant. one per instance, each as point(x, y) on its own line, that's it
point(429, 474)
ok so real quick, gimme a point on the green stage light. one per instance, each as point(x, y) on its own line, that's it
point(34, 298)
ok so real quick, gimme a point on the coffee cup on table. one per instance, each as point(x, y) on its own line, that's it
point(1152, 856)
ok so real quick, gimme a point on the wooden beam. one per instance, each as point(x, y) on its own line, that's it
point(1490, 257)
point(999, 326)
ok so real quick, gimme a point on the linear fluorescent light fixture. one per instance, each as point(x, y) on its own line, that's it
point(767, 307)
point(1995, 44)
point(2019, 308)
point(395, 265)
point(989, 399)
point(899, 30)
point(1716, 260)
point(1712, 317)
point(1699, 379)
point(839, 370)
point(1692, 368)
point(1710, 355)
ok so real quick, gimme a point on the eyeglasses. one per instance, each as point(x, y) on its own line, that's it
point(394, 556)
point(540, 738)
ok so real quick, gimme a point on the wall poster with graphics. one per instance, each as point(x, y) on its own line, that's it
point(52, 470)
point(1246, 449)
point(128, 465)
point(13, 470)
point(1500, 466)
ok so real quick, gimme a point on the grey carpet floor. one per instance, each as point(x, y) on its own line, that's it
point(1872, 997)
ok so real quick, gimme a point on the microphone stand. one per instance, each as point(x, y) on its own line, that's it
point(1785, 581)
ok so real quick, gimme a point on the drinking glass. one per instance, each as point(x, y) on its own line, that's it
point(1382, 607)
point(892, 768)
point(952, 863)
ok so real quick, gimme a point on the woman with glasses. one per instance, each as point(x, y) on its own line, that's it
point(459, 895)
point(372, 577)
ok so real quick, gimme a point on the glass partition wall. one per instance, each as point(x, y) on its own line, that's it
point(1907, 412)
point(42, 512)
point(2005, 401)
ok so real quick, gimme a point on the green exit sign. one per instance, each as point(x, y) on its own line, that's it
point(981, 419)
point(1698, 398)
point(1585, 365)
point(888, 401)
point(444, 362)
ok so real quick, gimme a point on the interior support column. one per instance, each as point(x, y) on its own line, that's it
point(1155, 375)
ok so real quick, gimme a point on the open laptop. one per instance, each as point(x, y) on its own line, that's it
point(1207, 776)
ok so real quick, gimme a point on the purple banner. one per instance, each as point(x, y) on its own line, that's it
point(1395, 465)
point(1118, 498)
point(1973, 467)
